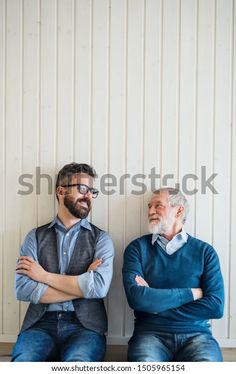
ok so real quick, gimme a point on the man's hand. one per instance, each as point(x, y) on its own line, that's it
point(197, 293)
point(27, 266)
point(95, 264)
point(140, 281)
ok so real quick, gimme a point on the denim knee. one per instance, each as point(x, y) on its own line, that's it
point(147, 347)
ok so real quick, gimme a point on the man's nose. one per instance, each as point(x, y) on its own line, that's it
point(151, 211)
point(88, 194)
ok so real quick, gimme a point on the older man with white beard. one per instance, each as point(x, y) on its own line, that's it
point(174, 284)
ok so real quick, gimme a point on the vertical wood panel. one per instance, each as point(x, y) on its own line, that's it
point(100, 105)
point(83, 66)
point(187, 101)
point(65, 83)
point(13, 161)
point(152, 101)
point(100, 109)
point(205, 115)
point(231, 290)
point(30, 110)
point(116, 166)
point(47, 108)
point(170, 86)
point(2, 147)
point(134, 135)
point(222, 146)
point(29, 116)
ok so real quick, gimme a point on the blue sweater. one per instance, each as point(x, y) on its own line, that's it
point(167, 305)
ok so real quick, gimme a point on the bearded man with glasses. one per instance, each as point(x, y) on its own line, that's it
point(64, 271)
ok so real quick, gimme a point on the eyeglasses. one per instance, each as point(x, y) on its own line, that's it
point(83, 189)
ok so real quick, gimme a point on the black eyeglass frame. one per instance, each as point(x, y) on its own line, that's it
point(94, 191)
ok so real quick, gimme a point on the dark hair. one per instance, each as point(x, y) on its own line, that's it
point(65, 174)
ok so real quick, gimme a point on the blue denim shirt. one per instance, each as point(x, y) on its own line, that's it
point(93, 284)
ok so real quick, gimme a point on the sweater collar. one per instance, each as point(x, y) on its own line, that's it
point(182, 235)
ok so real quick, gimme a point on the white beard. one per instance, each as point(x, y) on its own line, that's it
point(154, 229)
point(163, 226)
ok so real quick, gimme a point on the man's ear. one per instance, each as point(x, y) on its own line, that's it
point(60, 191)
point(180, 211)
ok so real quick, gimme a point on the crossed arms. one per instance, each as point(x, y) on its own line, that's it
point(36, 285)
point(175, 303)
point(61, 287)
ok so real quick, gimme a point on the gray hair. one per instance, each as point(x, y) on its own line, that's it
point(176, 198)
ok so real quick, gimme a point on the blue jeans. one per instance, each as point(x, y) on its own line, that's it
point(160, 347)
point(59, 336)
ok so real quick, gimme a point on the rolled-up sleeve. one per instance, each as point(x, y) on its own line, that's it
point(26, 288)
point(95, 284)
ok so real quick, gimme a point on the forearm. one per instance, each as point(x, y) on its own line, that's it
point(52, 295)
point(95, 284)
point(29, 290)
point(151, 300)
point(66, 284)
point(26, 288)
point(209, 307)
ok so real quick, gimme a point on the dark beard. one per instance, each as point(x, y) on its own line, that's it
point(80, 212)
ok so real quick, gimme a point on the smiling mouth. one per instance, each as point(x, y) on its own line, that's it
point(154, 219)
point(83, 204)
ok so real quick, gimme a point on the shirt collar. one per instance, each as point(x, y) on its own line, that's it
point(83, 223)
point(180, 235)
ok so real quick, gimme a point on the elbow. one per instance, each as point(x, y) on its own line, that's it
point(101, 293)
point(219, 312)
point(131, 303)
point(101, 287)
point(19, 295)
point(96, 287)
point(218, 309)
point(94, 293)
point(135, 297)
point(135, 303)
point(219, 315)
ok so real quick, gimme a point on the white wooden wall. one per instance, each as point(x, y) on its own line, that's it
point(126, 85)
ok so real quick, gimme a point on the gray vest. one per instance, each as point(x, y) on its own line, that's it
point(90, 312)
